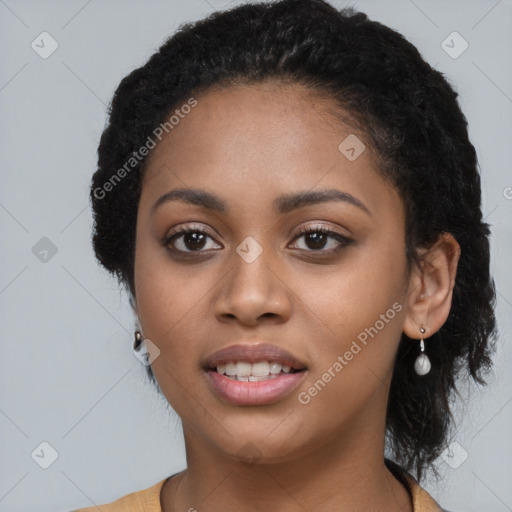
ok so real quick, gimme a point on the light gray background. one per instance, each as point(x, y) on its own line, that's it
point(68, 376)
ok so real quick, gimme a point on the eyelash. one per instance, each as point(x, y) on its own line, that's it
point(343, 240)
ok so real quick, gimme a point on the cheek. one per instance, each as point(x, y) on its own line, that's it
point(167, 294)
point(354, 295)
point(360, 313)
point(168, 303)
point(163, 289)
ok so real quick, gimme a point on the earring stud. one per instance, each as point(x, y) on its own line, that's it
point(138, 341)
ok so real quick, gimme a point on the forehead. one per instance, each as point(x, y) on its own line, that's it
point(249, 141)
point(271, 120)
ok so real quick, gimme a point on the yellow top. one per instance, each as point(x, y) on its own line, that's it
point(148, 500)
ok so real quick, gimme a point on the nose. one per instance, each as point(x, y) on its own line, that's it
point(252, 293)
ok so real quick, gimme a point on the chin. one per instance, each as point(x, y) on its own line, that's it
point(251, 447)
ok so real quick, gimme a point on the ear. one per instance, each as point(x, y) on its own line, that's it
point(431, 288)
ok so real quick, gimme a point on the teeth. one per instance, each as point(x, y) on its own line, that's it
point(257, 379)
point(252, 372)
point(230, 369)
point(260, 369)
point(251, 378)
point(243, 369)
point(275, 368)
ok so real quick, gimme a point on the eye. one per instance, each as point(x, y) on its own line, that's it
point(316, 238)
point(190, 239)
point(194, 239)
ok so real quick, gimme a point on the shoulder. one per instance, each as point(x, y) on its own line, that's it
point(146, 500)
point(421, 499)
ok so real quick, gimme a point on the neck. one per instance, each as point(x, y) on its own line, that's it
point(347, 472)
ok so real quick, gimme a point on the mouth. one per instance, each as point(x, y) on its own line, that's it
point(253, 374)
point(252, 363)
point(245, 371)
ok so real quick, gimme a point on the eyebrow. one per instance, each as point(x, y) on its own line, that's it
point(282, 204)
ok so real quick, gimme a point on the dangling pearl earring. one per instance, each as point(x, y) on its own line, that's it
point(422, 365)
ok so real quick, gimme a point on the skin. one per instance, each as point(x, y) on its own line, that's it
point(249, 144)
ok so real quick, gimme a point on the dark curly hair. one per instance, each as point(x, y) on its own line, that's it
point(411, 117)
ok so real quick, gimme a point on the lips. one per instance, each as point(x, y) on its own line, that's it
point(286, 372)
point(253, 353)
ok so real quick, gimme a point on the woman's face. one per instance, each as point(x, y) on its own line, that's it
point(246, 275)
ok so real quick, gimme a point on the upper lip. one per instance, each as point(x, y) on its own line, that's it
point(252, 353)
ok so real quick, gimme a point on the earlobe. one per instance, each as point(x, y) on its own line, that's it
point(431, 287)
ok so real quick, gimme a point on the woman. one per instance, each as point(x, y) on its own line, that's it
point(289, 195)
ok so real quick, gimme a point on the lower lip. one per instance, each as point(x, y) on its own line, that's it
point(254, 393)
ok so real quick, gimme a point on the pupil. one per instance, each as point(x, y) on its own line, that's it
point(316, 238)
point(194, 240)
